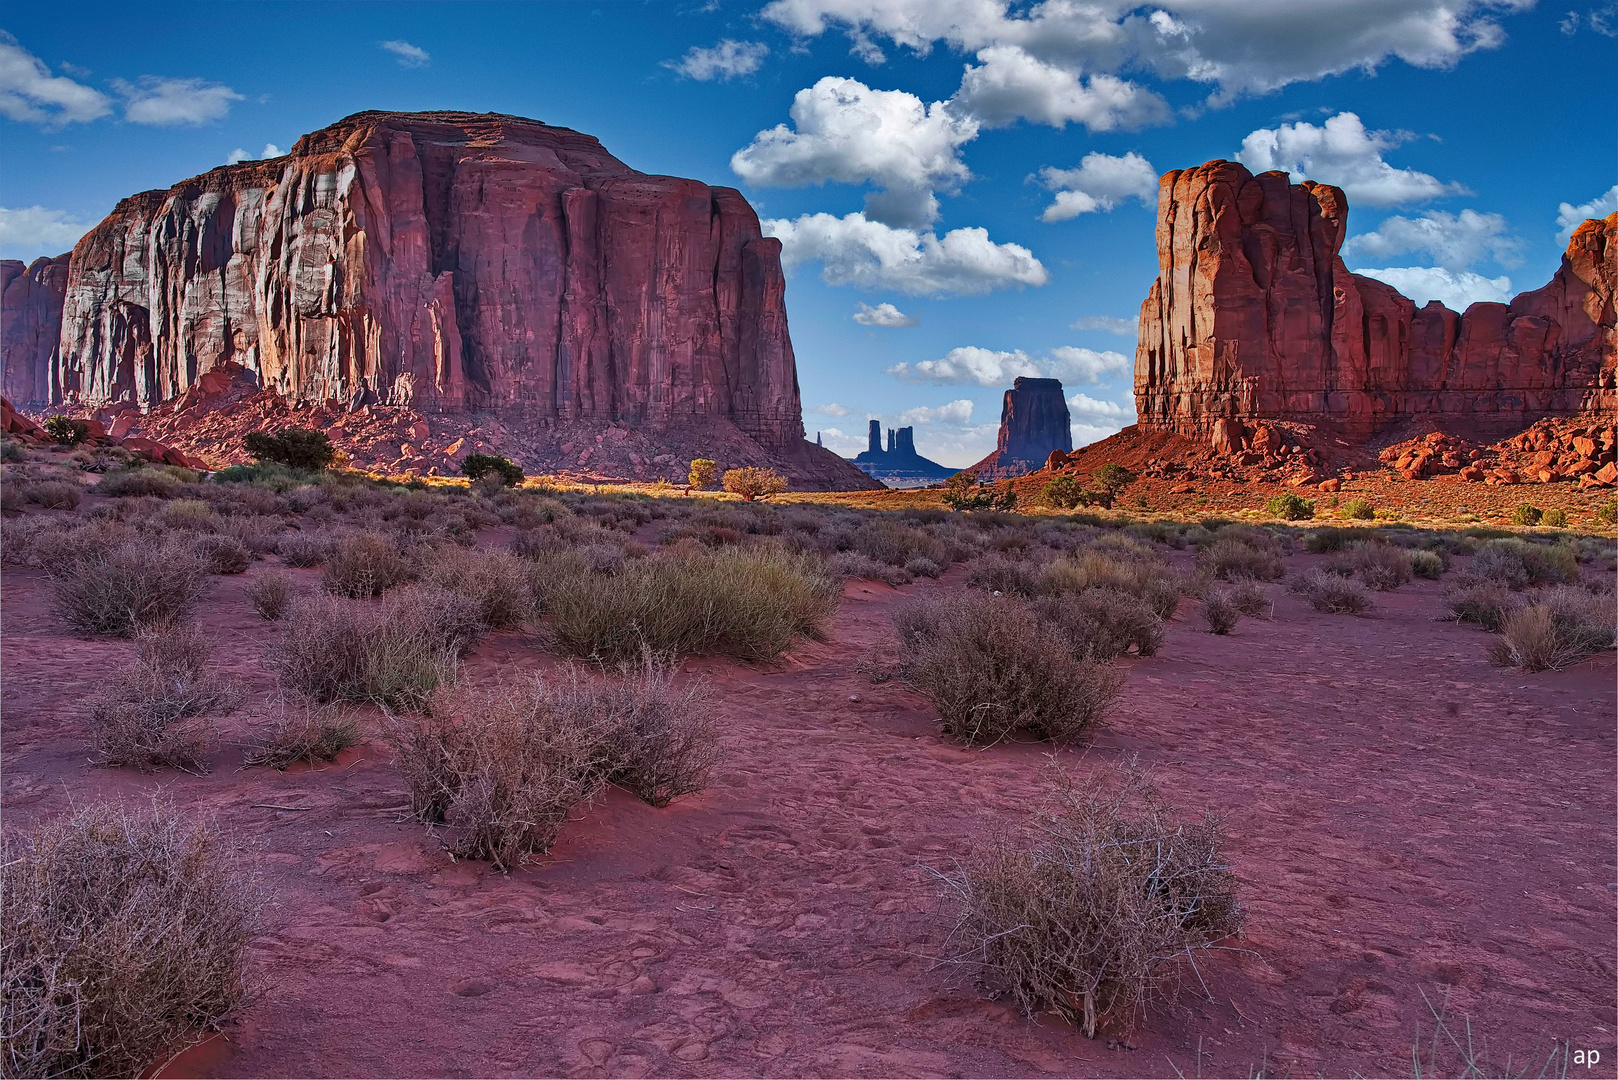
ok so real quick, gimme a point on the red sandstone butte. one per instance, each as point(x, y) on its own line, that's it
point(30, 326)
point(1254, 316)
point(449, 262)
point(1034, 424)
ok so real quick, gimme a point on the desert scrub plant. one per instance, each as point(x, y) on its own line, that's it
point(120, 589)
point(1554, 517)
point(506, 471)
point(1249, 598)
point(1090, 912)
point(1380, 566)
point(1332, 594)
point(498, 582)
point(223, 554)
point(1233, 559)
point(303, 548)
point(159, 711)
point(1481, 601)
point(991, 666)
point(12, 453)
point(1219, 611)
point(364, 564)
point(304, 449)
point(301, 733)
point(125, 940)
point(1103, 622)
point(1526, 514)
point(66, 431)
point(852, 564)
point(661, 739)
point(1289, 507)
point(270, 592)
point(1517, 563)
point(747, 602)
point(123, 483)
point(1561, 627)
point(54, 494)
point(701, 475)
point(1359, 508)
point(1004, 574)
point(395, 653)
point(752, 482)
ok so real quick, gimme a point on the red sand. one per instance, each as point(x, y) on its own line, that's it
point(1405, 818)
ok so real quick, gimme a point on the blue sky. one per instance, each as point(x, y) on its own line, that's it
point(965, 188)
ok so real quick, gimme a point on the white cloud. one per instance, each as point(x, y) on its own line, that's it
point(1570, 217)
point(727, 60)
point(1009, 84)
point(848, 133)
point(164, 102)
point(839, 443)
point(1100, 182)
point(1455, 241)
point(885, 315)
point(1454, 289)
point(1107, 324)
point(30, 94)
point(956, 413)
point(970, 365)
point(1603, 20)
point(271, 151)
point(33, 230)
point(1084, 407)
point(832, 409)
point(857, 251)
point(1240, 48)
point(236, 155)
point(408, 55)
point(1343, 153)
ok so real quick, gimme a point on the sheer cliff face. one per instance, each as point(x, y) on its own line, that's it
point(448, 261)
point(1254, 316)
point(30, 326)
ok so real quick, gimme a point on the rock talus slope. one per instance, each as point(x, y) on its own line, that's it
point(1255, 316)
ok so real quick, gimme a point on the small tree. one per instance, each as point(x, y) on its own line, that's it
point(66, 430)
point(752, 482)
point(477, 466)
point(963, 492)
point(1063, 493)
point(1111, 479)
point(702, 475)
point(296, 448)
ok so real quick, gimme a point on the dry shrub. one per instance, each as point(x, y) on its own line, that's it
point(303, 549)
point(1330, 593)
point(270, 593)
point(992, 666)
point(497, 582)
point(501, 770)
point(365, 564)
point(1220, 611)
point(1104, 622)
point(304, 734)
point(1517, 564)
point(54, 494)
point(396, 652)
point(258, 534)
point(223, 554)
point(1090, 913)
point(1123, 564)
point(120, 589)
point(1428, 564)
point(124, 941)
point(157, 711)
point(1249, 598)
point(852, 564)
point(1004, 574)
point(603, 558)
point(1559, 629)
point(1243, 556)
point(1481, 601)
point(746, 602)
point(1382, 567)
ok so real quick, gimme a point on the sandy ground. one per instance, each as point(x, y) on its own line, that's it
point(1405, 818)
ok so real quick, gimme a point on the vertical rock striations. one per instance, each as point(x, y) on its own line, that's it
point(1254, 316)
point(1034, 421)
point(30, 327)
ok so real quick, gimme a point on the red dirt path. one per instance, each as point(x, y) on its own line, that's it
point(1404, 818)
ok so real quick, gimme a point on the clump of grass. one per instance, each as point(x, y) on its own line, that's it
point(1090, 914)
point(302, 549)
point(1382, 567)
point(270, 593)
point(1428, 564)
point(158, 712)
point(1004, 574)
point(991, 666)
point(1562, 627)
point(852, 564)
point(365, 564)
point(1518, 564)
point(498, 582)
point(304, 734)
point(125, 938)
point(1332, 594)
point(54, 494)
point(1245, 556)
point(395, 653)
point(1249, 598)
point(1220, 612)
point(746, 602)
point(1359, 509)
point(1481, 601)
point(121, 588)
point(123, 483)
point(223, 554)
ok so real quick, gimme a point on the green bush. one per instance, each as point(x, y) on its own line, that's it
point(1359, 509)
point(1526, 514)
point(1064, 493)
point(1608, 511)
point(752, 482)
point(66, 430)
point(1554, 517)
point(1289, 507)
point(963, 492)
point(1428, 564)
point(296, 448)
point(702, 474)
point(1112, 478)
point(477, 466)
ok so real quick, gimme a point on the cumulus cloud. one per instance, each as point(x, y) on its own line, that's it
point(1455, 241)
point(1238, 48)
point(30, 94)
point(30, 231)
point(1101, 182)
point(971, 365)
point(848, 133)
point(1009, 84)
point(408, 55)
point(727, 60)
point(1107, 324)
point(1454, 289)
point(1342, 152)
point(1095, 411)
point(956, 413)
point(841, 443)
point(1570, 217)
point(270, 151)
point(162, 102)
point(832, 409)
point(885, 315)
point(855, 250)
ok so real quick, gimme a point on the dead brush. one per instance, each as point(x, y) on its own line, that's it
point(498, 582)
point(1093, 912)
point(1332, 594)
point(1560, 628)
point(1250, 598)
point(1104, 623)
point(125, 938)
point(270, 592)
point(362, 565)
point(1249, 555)
point(121, 588)
point(1219, 611)
point(1382, 567)
point(304, 734)
point(158, 711)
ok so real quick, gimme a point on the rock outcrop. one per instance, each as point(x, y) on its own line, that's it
point(30, 326)
point(1255, 317)
point(1034, 422)
point(448, 263)
point(899, 466)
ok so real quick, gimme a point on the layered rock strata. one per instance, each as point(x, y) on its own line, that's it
point(1254, 316)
